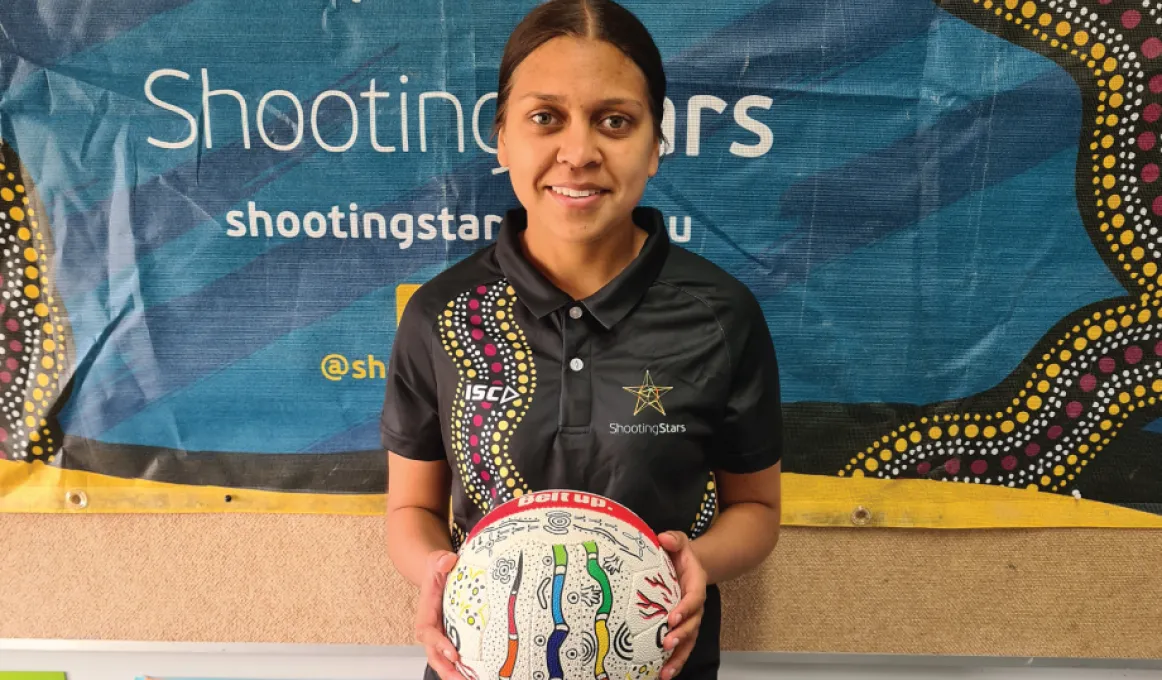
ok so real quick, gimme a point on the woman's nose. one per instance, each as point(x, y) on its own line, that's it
point(579, 146)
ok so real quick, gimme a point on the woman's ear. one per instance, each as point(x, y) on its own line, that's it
point(501, 149)
point(656, 156)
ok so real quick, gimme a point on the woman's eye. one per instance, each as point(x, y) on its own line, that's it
point(542, 118)
point(617, 123)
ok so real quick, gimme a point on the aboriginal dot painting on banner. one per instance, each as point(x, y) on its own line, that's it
point(214, 213)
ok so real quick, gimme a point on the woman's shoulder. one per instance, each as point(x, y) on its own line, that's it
point(723, 293)
point(432, 296)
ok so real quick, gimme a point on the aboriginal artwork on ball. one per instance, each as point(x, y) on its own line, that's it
point(577, 587)
point(35, 336)
point(1097, 373)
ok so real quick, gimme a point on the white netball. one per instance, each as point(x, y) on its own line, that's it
point(560, 585)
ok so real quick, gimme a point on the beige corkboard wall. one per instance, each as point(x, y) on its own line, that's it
point(325, 579)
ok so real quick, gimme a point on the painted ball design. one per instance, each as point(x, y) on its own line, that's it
point(560, 585)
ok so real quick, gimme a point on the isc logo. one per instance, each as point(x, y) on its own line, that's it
point(497, 394)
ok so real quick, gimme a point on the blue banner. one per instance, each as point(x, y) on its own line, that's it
point(213, 211)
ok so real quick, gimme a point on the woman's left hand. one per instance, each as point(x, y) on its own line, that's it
point(686, 617)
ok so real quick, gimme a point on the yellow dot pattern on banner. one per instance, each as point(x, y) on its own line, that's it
point(1101, 366)
point(33, 347)
point(1125, 159)
point(1062, 382)
point(498, 380)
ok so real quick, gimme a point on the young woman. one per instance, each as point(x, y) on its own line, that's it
point(583, 350)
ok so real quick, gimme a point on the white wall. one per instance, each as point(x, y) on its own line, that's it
point(84, 660)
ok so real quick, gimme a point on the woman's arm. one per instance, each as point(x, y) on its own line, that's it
point(747, 527)
point(419, 545)
point(740, 538)
point(417, 513)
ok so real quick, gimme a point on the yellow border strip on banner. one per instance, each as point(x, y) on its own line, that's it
point(818, 500)
point(36, 487)
point(808, 500)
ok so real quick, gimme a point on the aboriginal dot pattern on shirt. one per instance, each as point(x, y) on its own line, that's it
point(483, 340)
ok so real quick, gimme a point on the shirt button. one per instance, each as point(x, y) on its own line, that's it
point(576, 364)
point(575, 312)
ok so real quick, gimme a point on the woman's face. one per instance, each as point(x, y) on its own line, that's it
point(578, 138)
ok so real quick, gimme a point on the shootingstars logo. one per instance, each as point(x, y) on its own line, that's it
point(649, 396)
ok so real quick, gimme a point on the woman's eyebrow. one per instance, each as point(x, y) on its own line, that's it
point(611, 101)
point(544, 96)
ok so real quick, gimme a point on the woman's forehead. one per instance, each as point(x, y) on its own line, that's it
point(575, 70)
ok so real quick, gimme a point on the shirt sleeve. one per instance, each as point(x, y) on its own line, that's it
point(410, 422)
point(752, 425)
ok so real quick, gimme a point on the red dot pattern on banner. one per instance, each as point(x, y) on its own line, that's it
point(1103, 365)
point(1118, 49)
point(32, 349)
point(1101, 372)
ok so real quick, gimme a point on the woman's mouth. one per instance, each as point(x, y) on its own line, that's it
point(577, 197)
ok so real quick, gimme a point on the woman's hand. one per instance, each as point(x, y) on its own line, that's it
point(687, 616)
point(442, 656)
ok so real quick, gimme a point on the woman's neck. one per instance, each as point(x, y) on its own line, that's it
point(580, 269)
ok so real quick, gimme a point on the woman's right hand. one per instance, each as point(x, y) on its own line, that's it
point(442, 656)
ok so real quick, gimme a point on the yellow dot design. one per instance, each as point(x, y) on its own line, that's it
point(34, 345)
point(498, 379)
point(466, 597)
point(1098, 369)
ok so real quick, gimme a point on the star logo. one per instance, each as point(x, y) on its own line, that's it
point(648, 395)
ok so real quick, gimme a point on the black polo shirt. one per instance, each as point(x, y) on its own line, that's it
point(638, 392)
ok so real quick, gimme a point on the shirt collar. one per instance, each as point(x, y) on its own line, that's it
point(609, 305)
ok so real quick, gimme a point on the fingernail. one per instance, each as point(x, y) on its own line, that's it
point(677, 620)
point(668, 673)
point(448, 654)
